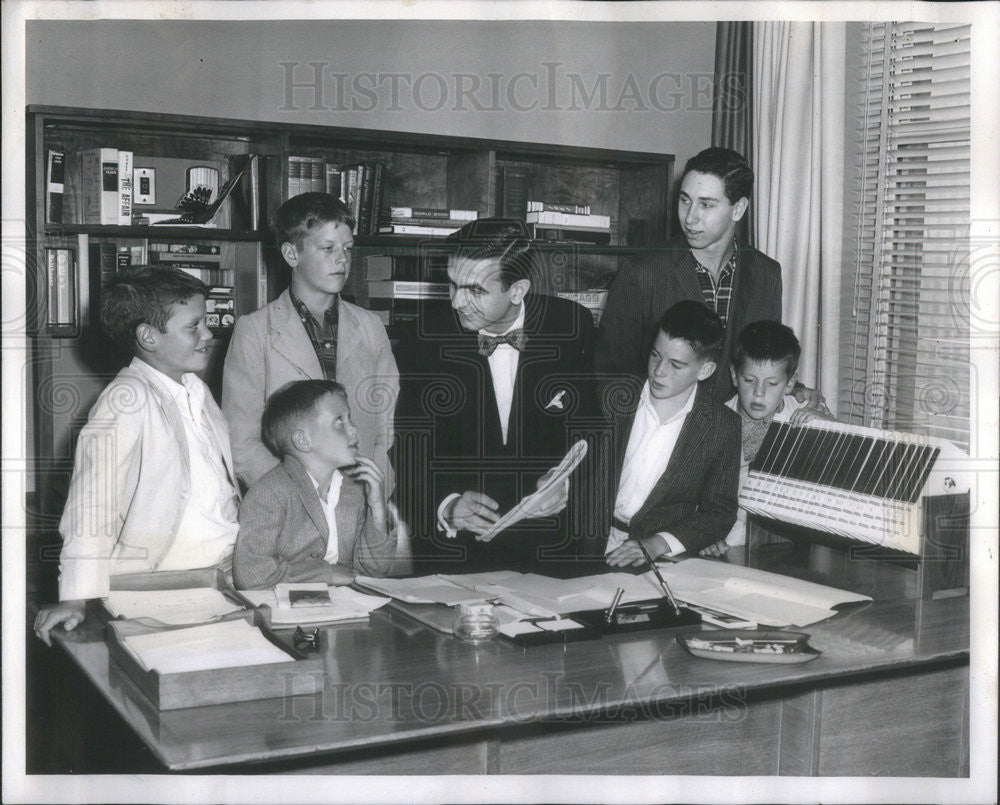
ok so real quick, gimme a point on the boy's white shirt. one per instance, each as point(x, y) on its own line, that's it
point(738, 533)
point(329, 507)
point(208, 527)
point(651, 443)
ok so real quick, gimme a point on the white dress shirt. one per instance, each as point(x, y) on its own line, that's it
point(329, 507)
point(650, 445)
point(503, 371)
point(208, 526)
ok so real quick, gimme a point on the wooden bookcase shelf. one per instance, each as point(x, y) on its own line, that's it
point(420, 170)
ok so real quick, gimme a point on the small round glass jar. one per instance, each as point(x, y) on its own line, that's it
point(476, 623)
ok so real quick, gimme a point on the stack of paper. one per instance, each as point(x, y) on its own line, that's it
point(173, 607)
point(227, 644)
point(422, 590)
point(339, 603)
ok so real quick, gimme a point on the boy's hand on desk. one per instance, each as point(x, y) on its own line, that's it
point(340, 576)
point(69, 613)
point(473, 511)
point(629, 552)
point(806, 414)
point(815, 405)
point(367, 472)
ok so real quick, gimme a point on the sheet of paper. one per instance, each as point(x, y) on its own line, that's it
point(345, 604)
point(518, 627)
point(172, 607)
point(531, 505)
point(227, 644)
point(421, 590)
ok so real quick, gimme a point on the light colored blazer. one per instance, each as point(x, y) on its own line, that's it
point(284, 534)
point(270, 348)
point(130, 472)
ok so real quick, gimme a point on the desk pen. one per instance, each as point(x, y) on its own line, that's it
point(610, 614)
point(659, 577)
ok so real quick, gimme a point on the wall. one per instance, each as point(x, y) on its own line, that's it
point(643, 86)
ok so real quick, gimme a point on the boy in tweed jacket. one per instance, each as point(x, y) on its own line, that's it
point(320, 515)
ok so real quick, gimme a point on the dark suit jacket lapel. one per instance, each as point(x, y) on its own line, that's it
point(687, 278)
point(689, 446)
point(307, 494)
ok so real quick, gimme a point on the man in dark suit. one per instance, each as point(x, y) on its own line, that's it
point(495, 388)
point(675, 458)
point(706, 264)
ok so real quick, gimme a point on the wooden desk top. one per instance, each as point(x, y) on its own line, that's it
point(393, 680)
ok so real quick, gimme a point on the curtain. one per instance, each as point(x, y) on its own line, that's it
point(798, 161)
point(732, 104)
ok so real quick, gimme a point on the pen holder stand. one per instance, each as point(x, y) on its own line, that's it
point(639, 616)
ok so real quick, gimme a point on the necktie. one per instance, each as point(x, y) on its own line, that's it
point(489, 343)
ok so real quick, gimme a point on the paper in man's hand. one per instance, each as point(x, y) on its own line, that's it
point(538, 503)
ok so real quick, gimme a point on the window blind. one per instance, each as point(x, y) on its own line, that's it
point(906, 346)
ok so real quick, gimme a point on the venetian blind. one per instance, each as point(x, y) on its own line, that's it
point(906, 346)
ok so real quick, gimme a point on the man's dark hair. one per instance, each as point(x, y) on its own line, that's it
point(145, 295)
point(729, 166)
point(297, 216)
point(288, 406)
point(697, 324)
point(767, 341)
point(501, 239)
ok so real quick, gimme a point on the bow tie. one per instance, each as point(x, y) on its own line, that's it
point(489, 343)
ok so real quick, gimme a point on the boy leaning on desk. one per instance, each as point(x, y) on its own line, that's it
point(153, 484)
point(677, 455)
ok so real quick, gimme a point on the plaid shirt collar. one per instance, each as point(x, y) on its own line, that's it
point(717, 295)
point(323, 336)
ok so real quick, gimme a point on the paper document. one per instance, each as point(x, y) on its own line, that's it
point(421, 590)
point(342, 604)
point(227, 644)
point(171, 607)
point(538, 501)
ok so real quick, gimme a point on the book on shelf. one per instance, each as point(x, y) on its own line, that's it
point(398, 289)
point(248, 199)
point(364, 219)
point(589, 235)
point(432, 213)
point(374, 211)
point(220, 308)
point(210, 276)
point(157, 256)
point(451, 223)
point(125, 188)
point(334, 181)
point(61, 289)
point(548, 206)
point(561, 219)
point(55, 173)
point(512, 191)
point(99, 185)
point(185, 248)
point(414, 229)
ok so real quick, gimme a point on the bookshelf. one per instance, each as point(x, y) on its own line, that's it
point(68, 368)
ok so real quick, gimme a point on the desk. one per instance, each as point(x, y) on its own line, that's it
point(400, 698)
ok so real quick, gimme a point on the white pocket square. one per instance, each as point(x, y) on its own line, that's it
point(557, 401)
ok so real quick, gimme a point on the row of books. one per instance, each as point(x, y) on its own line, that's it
point(567, 222)
point(427, 222)
point(359, 186)
point(106, 186)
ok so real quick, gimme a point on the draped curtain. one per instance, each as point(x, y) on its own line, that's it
point(732, 104)
point(798, 80)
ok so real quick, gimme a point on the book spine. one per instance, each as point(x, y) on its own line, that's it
point(334, 181)
point(450, 222)
point(513, 198)
point(185, 248)
point(55, 172)
point(364, 222)
point(569, 219)
point(404, 229)
point(355, 195)
point(294, 176)
point(546, 206)
point(183, 257)
point(316, 173)
point(395, 289)
point(109, 186)
point(125, 188)
point(433, 213)
point(599, 238)
point(377, 182)
point(61, 289)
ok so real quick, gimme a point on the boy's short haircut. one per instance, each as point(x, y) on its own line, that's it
point(767, 341)
point(145, 295)
point(286, 408)
point(499, 239)
point(729, 166)
point(302, 213)
point(695, 323)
